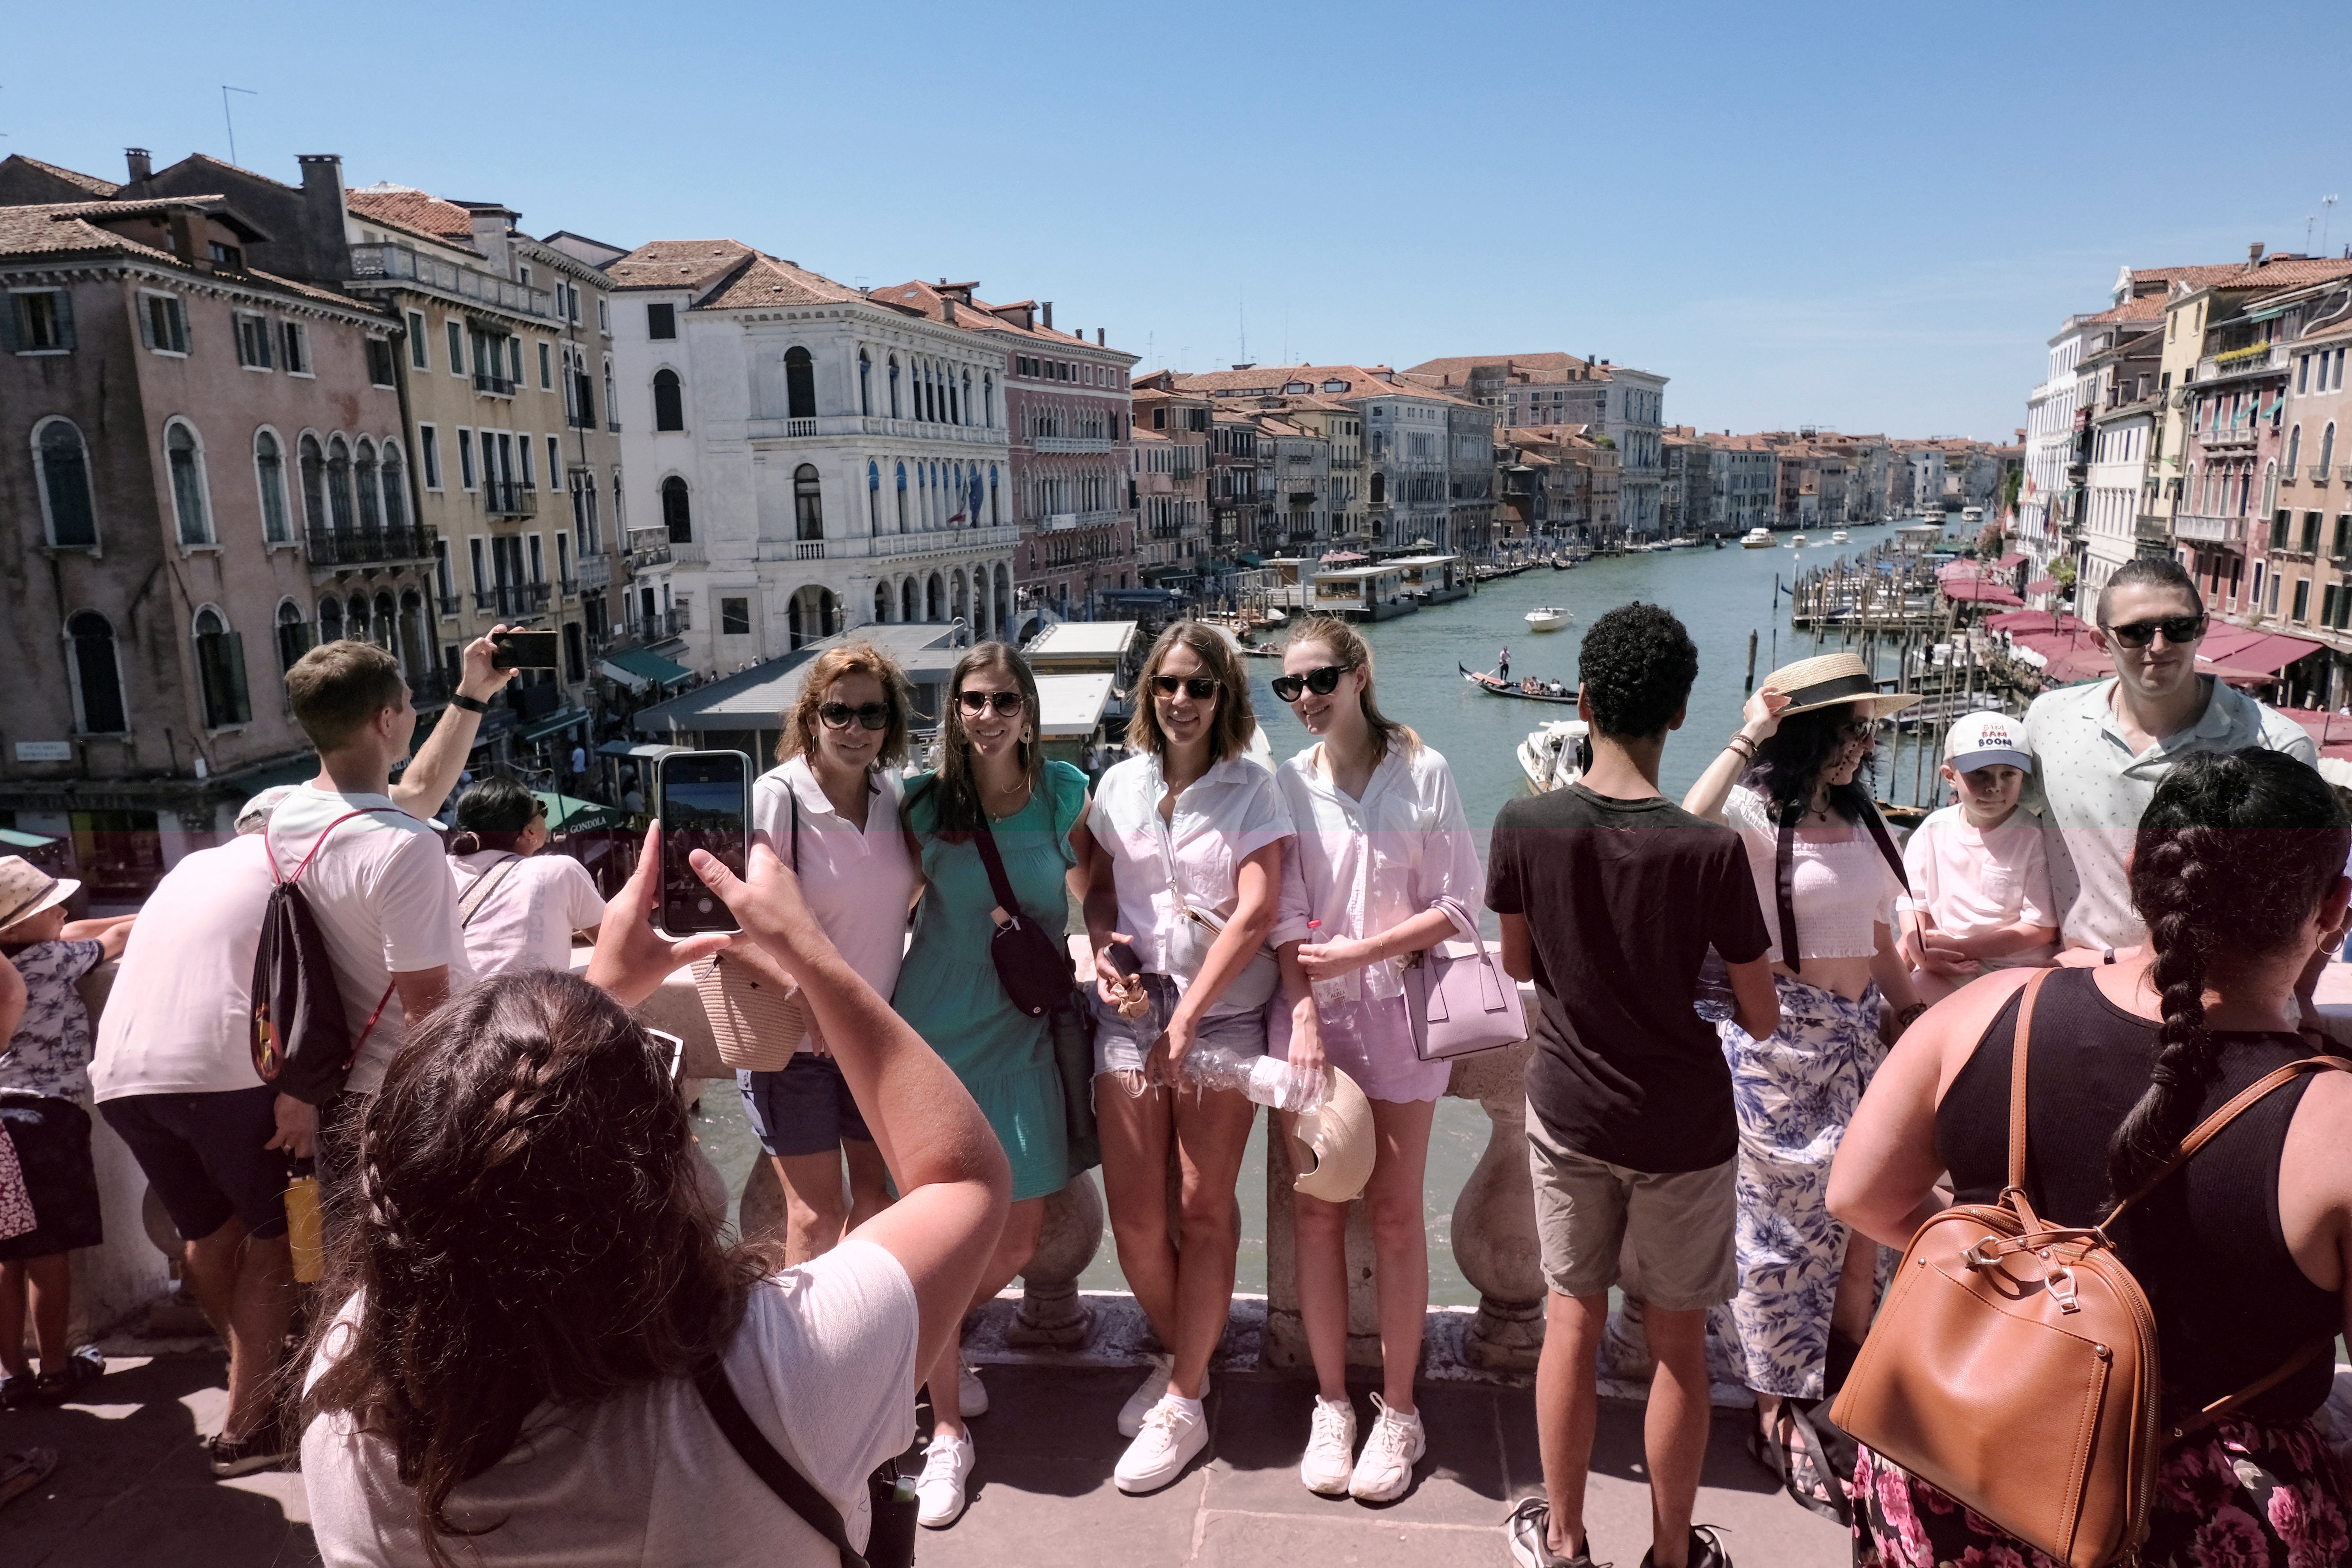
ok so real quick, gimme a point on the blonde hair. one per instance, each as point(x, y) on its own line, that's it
point(799, 738)
point(1349, 645)
point(1229, 732)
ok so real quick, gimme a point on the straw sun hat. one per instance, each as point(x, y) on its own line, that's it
point(25, 890)
point(1832, 678)
point(1333, 1146)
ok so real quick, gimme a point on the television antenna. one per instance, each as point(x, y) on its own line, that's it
point(230, 120)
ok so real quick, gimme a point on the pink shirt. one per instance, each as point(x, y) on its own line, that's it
point(1969, 882)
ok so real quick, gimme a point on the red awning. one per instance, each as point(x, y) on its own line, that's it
point(2014, 558)
point(2243, 649)
point(2015, 621)
point(2043, 585)
point(1977, 591)
point(2325, 729)
point(2078, 664)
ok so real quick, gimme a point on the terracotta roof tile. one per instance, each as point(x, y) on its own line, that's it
point(678, 263)
point(413, 211)
point(61, 230)
point(763, 281)
point(90, 183)
point(1270, 379)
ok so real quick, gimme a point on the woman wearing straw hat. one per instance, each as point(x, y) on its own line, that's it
point(1791, 781)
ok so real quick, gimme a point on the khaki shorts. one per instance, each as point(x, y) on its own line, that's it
point(1673, 1230)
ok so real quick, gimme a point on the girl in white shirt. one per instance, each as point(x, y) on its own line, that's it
point(1186, 828)
point(1381, 838)
point(830, 811)
point(517, 909)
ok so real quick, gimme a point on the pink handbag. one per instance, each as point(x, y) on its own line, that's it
point(1459, 997)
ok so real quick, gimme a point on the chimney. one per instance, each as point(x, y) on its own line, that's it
point(320, 254)
point(143, 165)
point(188, 245)
point(1100, 341)
point(947, 303)
point(490, 235)
point(2254, 254)
point(1049, 315)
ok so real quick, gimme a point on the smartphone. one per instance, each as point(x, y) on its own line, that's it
point(704, 801)
point(523, 650)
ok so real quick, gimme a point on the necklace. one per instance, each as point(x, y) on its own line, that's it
point(1018, 797)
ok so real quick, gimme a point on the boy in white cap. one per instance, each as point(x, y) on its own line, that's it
point(1979, 876)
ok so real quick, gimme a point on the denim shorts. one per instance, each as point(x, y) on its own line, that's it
point(1121, 1044)
point(806, 1108)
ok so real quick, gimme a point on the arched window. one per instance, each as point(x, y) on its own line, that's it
point(220, 671)
point(395, 487)
point(906, 600)
point(370, 499)
point(936, 597)
point(988, 401)
point(187, 463)
point(330, 620)
point(293, 634)
point(97, 677)
point(872, 498)
point(881, 602)
point(963, 416)
point(2270, 488)
point(994, 516)
point(2326, 448)
point(269, 473)
point(64, 469)
point(356, 618)
point(339, 484)
point(864, 384)
point(381, 628)
point(955, 410)
point(1380, 489)
point(612, 409)
point(800, 384)
point(894, 386)
point(2293, 450)
point(902, 497)
point(677, 515)
point(669, 404)
point(808, 501)
point(314, 486)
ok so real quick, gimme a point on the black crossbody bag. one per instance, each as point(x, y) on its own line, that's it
point(1034, 969)
point(890, 1543)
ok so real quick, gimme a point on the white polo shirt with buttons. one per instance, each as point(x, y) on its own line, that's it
point(858, 883)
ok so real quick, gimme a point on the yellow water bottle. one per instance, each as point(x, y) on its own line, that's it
point(302, 1234)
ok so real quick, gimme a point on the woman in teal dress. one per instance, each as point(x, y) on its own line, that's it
point(991, 772)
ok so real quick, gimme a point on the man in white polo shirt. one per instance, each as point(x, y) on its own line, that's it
point(2100, 749)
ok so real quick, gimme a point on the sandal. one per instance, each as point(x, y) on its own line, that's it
point(1793, 1462)
point(84, 1367)
point(22, 1471)
point(16, 1389)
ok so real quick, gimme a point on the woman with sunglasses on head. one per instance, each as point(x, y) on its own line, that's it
point(1184, 893)
point(1793, 781)
point(830, 811)
point(517, 908)
point(1382, 838)
point(992, 779)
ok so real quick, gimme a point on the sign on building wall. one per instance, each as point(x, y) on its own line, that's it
point(45, 751)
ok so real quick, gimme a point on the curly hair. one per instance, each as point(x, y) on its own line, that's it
point(1232, 723)
point(1636, 666)
point(523, 1227)
point(1349, 648)
point(2234, 853)
point(859, 658)
point(1791, 759)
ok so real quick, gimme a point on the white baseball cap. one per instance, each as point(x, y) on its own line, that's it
point(1984, 740)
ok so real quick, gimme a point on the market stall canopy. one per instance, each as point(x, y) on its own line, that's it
point(2012, 622)
point(553, 724)
point(753, 699)
point(13, 840)
point(2328, 730)
point(2014, 558)
point(566, 813)
point(1978, 591)
point(2243, 648)
point(2043, 585)
point(640, 670)
point(1071, 646)
point(1072, 705)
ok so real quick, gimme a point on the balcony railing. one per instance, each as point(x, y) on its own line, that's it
point(662, 625)
point(872, 424)
point(513, 598)
point(2318, 473)
point(808, 549)
point(369, 546)
point(1182, 469)
point(570, 586)
point(1082, 444)
point(448, 603)
point(2209, 530)
point(504, 497)
point(595, 572)
point(486, 380)
point(2254, 359)
point(398, 263)
point(2235, 436)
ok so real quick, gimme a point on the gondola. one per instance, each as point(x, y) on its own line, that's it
point(1497, 687)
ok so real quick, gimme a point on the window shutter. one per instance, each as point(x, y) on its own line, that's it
point(147, 320)
point(9, 339)
point(240, 702)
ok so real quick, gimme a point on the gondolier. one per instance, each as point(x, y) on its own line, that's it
point(1529, 690)
point(1503, 666)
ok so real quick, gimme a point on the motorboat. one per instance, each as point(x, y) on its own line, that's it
point(1547, 619)
point(1755, 539)
point(1555, 756)
point(1796, 541)
point(1526, 688)
point(1838, 537)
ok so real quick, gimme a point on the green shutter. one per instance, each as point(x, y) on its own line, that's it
point(233, 666)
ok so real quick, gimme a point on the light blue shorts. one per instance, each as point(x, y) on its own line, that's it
point(1122, 1043)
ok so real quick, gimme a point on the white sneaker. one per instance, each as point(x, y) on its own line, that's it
point(971, 1394)
point(1173, 1431)
point(1396, 1445)
point(1148, 1393)
point(1330, 1458)
point(939, 1490)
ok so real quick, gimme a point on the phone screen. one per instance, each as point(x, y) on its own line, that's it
point(523, 650)
point(705, 804)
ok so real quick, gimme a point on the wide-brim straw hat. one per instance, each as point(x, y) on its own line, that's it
point(1333, 1148)
point(1829, 679)
point(25, 890)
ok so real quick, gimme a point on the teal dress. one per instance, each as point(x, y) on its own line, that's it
point(948, 989)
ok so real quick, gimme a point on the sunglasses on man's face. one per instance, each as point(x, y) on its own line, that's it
point(2179, 630)
point(1199, 687)
point(1007, 703)
point(869, 715)
point(1322, 683)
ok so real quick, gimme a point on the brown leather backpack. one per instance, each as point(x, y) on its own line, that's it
point(2014, 1364)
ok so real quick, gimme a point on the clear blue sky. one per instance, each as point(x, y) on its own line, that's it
point(1869, 216)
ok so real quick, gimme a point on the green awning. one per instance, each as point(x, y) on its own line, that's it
point(637, 667)
point(15, 841)
point(540, 728)
point(568, 813)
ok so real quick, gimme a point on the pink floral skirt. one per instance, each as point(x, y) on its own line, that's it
point(2235, 1496)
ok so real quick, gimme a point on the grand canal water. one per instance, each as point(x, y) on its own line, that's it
point(1720, 594)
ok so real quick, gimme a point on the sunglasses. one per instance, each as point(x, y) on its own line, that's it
point(869, 715)
point(1005, 702)
point(1199, 687)
point(1322, 683)
point(2179, 630)
point(663, 1040)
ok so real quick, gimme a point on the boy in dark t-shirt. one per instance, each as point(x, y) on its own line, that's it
point(1609, 896)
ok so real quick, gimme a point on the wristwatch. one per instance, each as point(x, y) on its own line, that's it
point(470, 704)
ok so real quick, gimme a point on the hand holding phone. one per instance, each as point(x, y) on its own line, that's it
point(523, 650)
point(704, 801)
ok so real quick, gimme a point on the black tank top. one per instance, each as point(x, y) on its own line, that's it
point(2230, 1305)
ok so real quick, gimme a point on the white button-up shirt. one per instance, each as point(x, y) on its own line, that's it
point(2089, 791)
point(1363, 867)
point(857, 884)
point(1222, 817)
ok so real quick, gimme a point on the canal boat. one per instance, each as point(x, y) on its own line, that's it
point(1364, 592)
point(1796, 541)
point(1755, 539)
point(1547, 619)
point(1839, 536)
point(1527, 689)
point(1553, 757)
point(1433, 579)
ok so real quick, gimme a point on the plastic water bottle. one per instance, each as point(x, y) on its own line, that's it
point(1332, 991)
point(1264, 1080)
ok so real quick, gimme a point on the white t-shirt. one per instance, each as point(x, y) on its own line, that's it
point(858, 885)
point(1970, 881)
point(1838, 890)
point(527, 920)
point(824, 1363)
point(381, 891)
point(179, 1019)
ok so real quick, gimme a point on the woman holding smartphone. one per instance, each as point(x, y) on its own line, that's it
point(1382, 838)
point(830, 810)
point(992, 779)
point(1185, 887)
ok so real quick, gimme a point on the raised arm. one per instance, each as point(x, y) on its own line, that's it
point(433, 772)
point(1761, 717)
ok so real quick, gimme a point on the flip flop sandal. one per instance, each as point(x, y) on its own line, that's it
point(1814, 1450)
point(82, 1368)
point(22, 1471)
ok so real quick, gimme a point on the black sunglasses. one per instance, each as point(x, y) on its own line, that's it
point(1199, 687)
point(1007, 703)
point(1322, 683)
point(871, 715)
point(2179, 630)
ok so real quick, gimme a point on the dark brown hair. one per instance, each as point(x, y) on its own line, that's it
point(1230, 729)
point(494, 814)
point(960, 808)
point(524, 1226)
point(799, 738)
point(338, 689)
point(1347, 645)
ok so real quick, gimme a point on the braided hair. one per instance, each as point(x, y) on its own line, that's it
point(2232, 855)
point(524, 1227)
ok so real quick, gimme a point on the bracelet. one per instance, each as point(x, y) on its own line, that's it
point(470, 704)
point(1740, 746)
